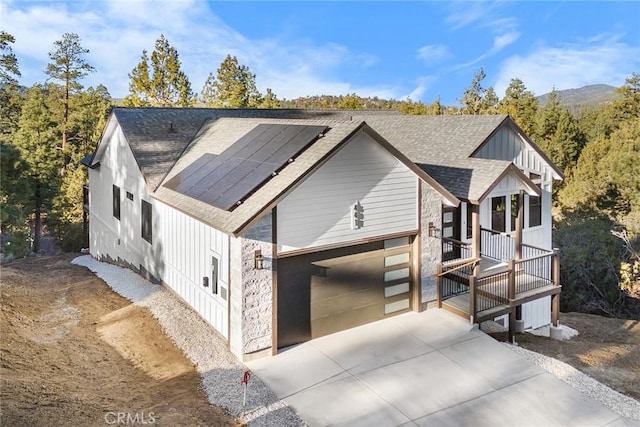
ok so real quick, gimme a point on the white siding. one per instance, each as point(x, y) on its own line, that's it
point(186, 247)
point(318, 212)
point(118, 239)
point(508, 145)
point(180, 254)
point(537, 313)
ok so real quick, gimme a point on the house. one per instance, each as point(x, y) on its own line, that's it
point(279, 226)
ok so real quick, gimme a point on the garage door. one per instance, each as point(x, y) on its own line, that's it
point(329, 291)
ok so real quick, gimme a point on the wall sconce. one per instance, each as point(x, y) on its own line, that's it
point(433, 230)
point(205, 281)
point(258, 260)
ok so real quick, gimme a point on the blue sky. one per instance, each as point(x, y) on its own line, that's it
point(421, 50)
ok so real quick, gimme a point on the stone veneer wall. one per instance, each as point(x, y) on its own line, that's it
point(256, 289)
point(431, 250)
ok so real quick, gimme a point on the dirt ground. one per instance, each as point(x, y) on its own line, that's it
point(75, 353)
point(605, 349)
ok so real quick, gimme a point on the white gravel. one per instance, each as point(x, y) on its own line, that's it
point(220, 370)
point(617, 402)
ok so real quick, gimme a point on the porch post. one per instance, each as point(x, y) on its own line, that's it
point(512, 326)
point(475, 229)
point(555, 299)
point(439, 285)
point(519, 224)
point(511, 294)
point(472, 300)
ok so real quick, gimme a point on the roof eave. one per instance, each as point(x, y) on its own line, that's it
point(530, 187)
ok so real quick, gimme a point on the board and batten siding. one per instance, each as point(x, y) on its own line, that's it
point(185, 247)
point(181, 248)
point(109, 237)
point(319, 211)
point(508, 145)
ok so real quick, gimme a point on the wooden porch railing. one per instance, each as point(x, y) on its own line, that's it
point(499, 289)
point(450, 284)
point(497, 245)
point(453, 249)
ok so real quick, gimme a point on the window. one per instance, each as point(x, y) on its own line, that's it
point(214, 274)
point(515, 205)
point(116, 202)
point(147, 224)
point(535, 210)
point(218, 287)
point(130, 196)
point(498, 209)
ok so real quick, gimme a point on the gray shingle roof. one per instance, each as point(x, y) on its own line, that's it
point(441, 146)
point(166, 140)
point(216, 136)
point(157, 136)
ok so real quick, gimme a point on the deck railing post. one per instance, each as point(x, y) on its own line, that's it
point(439, 285)
point(512, 280)
point(519, 226)
point(555, 299)
point(476, 242)
point(556, 267)
point(473, 315)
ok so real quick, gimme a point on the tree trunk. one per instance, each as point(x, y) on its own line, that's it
point(38, 220)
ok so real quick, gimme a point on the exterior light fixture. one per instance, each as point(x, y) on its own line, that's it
point(258, 260)
point(433, 230)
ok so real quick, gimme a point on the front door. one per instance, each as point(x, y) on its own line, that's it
point(450, 233)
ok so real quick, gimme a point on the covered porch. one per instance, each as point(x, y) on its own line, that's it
point(495, 275)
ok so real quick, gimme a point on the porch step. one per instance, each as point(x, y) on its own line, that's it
point(451, 306)
point(460, 303)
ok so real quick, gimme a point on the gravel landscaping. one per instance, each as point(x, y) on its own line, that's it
point(617, 402)
point(221, 372)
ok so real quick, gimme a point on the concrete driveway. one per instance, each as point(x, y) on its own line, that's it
point(426, 369)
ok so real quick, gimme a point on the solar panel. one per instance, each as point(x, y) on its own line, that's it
point(225, 180)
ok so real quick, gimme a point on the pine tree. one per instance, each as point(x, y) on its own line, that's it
point(68, 66)
point(10, 99)
point(37, 142)
point(234, 87)
point(159, 80)
point(87, 122)
point(627, 106)
point(521, 105)
point(350, 102)
point(557, 133)
point(14, 191)
point(478, 100)
point(270, 100)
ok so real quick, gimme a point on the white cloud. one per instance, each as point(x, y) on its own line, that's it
point(424, 83)
point(116, 32)
point(503, 40)
point(463, 13)
point(432, 54)
point(602, 59)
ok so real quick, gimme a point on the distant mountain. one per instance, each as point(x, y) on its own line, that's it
point(586, 97)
